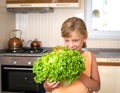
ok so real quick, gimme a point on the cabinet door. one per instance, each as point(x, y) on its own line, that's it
point(110, 79)
point(64, 1)
point(28, 1)
point(2, 3)
point(42, 1)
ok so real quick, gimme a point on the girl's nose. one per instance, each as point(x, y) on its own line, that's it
point(71, 45)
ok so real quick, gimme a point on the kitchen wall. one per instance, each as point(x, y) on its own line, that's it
point(46, 27)
point(104, 43)
point(7, 23)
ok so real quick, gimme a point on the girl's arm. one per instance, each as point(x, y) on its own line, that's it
point(94, 81)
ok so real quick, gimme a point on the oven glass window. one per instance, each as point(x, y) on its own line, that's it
point(19, 78)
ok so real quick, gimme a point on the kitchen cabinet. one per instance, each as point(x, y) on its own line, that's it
point(2, 3)
point(28, 1)
point(41, 1)
point(64, 3)
point(45, 3)
point(109, 75)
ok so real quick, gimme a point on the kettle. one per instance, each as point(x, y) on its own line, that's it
point(15, 43)
point(35, 44)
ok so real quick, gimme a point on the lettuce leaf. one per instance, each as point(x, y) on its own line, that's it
point(61, 64)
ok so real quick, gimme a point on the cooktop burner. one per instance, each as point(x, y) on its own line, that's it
point(34, 50)
point(28, 50)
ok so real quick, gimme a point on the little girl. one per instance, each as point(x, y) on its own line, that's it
point(74, 34)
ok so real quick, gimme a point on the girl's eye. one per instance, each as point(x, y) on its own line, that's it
point(66, 40)
point(76, 40)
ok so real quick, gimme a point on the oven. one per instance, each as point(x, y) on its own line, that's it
point(19, 79)
point(16, 73)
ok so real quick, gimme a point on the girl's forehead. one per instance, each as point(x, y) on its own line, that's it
point(76, 34)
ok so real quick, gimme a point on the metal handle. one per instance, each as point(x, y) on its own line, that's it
point(25, 5)
point(15, 33)
point(15, 68)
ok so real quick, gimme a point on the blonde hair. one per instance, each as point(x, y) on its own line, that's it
point(74, 24)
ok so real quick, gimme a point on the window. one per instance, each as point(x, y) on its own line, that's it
point(102, 18)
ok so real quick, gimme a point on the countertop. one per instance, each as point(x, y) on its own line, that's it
point(26, 54)
point(22, 54)
point(102, 55)
point(105, 54)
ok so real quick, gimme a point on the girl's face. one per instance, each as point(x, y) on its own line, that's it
point(75, 41)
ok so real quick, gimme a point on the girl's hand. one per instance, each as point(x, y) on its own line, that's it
point(53, 84)
point(50, 86)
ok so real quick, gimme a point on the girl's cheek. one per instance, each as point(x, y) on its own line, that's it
point(65, 44)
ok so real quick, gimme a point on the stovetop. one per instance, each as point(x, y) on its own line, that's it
point(26, 51)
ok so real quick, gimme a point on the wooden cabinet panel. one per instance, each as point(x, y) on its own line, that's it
point(64, 1)
point(28, 1)
point(45, 3)
point(42, 1)
point(110, 76)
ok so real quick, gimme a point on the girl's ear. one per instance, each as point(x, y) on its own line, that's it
point(85, 39)
point(84, 43)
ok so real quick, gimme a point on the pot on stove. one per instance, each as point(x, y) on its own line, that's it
point(35, 44)
point(15, 43)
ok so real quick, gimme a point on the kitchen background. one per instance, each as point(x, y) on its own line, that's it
point(46, 28)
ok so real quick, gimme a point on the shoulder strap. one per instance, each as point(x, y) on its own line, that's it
point(87, 56)
point(91, 64)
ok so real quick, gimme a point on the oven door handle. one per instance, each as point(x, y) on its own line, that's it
point(16, 68)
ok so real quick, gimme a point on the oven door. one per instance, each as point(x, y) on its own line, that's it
point(19, 79)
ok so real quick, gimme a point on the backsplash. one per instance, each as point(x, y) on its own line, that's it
point(46, 27)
